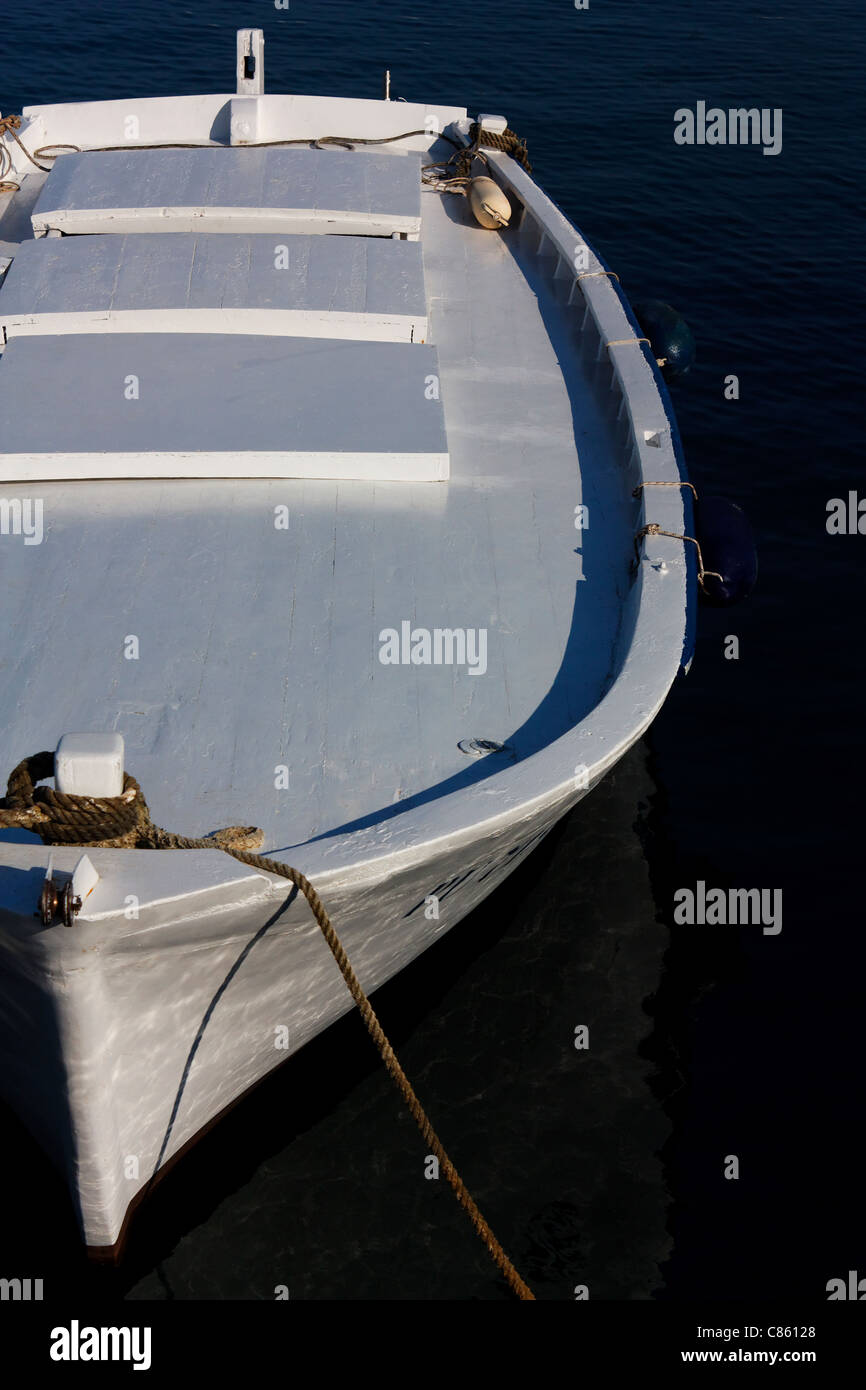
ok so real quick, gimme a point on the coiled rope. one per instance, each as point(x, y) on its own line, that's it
point(509, 142)
point(455, 173)
point(10, 125)
point(103, 822)
point(124, 821)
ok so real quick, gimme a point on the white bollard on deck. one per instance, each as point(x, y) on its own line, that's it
point(89, 765)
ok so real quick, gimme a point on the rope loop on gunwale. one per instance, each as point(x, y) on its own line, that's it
point(653, 529)
point(103, 822)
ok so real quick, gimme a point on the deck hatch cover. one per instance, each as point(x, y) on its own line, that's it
point(274, 190)
point(178, 405)
point(306, 286)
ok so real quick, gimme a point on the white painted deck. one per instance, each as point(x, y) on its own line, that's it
point(258, 647)
point(304, 286)
point(232, 190)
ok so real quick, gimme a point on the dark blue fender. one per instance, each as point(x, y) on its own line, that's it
point(670, 337)
point(728, 547)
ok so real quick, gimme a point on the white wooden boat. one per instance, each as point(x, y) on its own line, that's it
point(336, 496)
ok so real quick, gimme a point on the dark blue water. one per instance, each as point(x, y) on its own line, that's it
point(603, 1168)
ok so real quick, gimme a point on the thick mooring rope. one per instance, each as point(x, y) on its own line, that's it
point(104, 822)
point(455, 173)
point(124, 822)
point(509, 142)
point(392, 1065)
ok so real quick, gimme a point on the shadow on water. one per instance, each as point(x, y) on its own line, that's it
point(699, 962)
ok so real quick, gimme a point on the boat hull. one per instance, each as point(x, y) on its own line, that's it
point(119, 1048)
point(187, 978)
